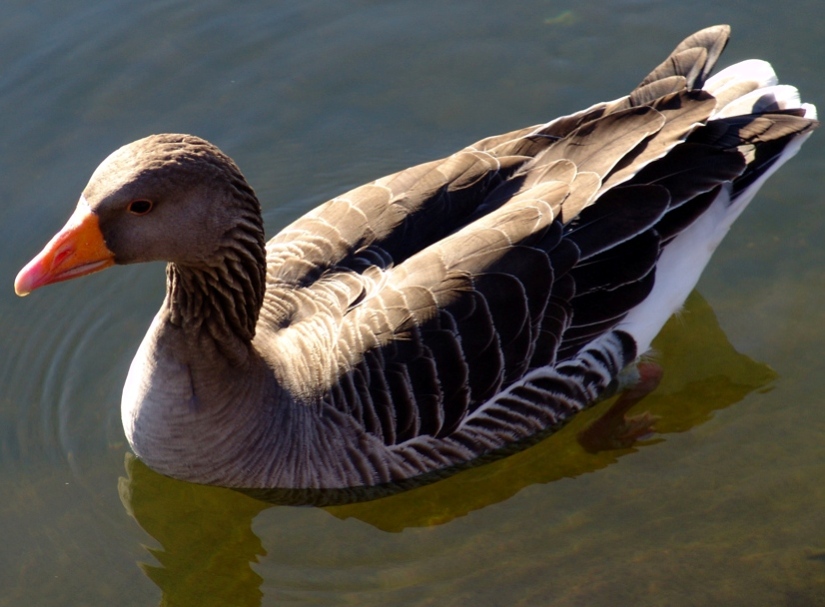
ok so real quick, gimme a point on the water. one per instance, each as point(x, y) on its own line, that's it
point(723, 506)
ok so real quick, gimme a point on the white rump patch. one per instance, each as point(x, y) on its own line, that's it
point(753, 70)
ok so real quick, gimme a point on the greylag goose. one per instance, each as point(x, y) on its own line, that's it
point(436, 316)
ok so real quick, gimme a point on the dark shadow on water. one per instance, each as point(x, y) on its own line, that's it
point(205, 533)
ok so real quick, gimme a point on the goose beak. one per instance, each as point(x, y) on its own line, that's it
point(78, 249)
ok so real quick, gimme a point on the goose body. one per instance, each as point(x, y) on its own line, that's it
point(435, 315)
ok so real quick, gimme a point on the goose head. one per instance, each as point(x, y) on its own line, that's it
point(172, 198)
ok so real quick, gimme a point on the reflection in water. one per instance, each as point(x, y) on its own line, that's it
point(206, 538)
point(615, 429)
point(205, 533)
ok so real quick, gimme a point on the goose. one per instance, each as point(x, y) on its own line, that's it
point(434, 317)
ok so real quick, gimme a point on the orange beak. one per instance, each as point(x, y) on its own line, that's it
point(78, 249)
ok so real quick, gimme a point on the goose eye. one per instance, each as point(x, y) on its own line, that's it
point(140, 207)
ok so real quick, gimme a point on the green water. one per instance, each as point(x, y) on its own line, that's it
point(723, 505)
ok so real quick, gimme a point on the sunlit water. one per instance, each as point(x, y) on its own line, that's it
point(724, 505)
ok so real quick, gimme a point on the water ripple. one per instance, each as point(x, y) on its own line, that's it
point(73, 352)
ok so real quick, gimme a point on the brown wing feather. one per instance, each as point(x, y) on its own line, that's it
point(694, 58)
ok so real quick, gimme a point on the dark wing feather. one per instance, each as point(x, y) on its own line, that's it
point(690, 169)
point(620, 214)
point(619, 265)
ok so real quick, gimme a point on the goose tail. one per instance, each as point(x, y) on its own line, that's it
point(765, 121)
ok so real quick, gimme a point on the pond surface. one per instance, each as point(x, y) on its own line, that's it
point(724, 505)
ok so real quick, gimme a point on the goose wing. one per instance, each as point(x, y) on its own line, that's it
point(414, 301)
